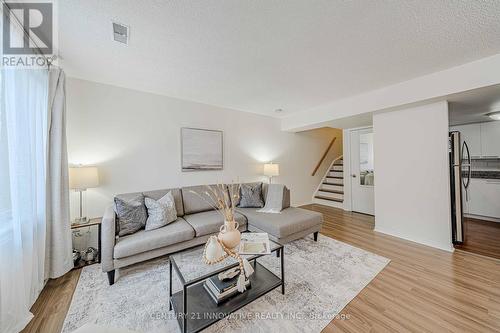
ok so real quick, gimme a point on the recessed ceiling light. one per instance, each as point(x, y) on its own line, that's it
point(494, 115)
point(278, 110)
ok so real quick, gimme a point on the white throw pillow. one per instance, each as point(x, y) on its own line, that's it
point(160, 212)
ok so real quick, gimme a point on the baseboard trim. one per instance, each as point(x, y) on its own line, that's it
point(302, 204)
point(449, 249)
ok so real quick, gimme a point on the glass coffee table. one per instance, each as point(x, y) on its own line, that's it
point(194, 308)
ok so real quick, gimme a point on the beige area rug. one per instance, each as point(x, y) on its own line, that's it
point(321, 278)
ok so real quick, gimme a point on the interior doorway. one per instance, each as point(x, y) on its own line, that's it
point(475, 170)
point(362, 172)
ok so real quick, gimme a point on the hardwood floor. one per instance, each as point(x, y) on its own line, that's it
point(481, 237)
point(53, 303)
point(421, 290)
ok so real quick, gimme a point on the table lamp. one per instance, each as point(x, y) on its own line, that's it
point(81, 179)
point(271, 170)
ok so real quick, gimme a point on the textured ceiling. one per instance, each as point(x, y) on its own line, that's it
point(260, 55)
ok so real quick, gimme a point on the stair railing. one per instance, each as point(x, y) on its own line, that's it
point(324, 156)
point(337, 158)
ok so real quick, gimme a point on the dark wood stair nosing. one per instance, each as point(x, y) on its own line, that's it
point(334, 177)
point(326, 183)
point(328, 198)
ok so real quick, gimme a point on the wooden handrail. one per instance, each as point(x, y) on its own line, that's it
point(324, 156)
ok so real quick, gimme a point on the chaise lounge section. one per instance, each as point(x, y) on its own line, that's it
point(196, 222)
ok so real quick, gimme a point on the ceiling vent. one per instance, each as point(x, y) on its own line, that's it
point(120, 33)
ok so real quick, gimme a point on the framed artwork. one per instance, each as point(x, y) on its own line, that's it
point(201, 149)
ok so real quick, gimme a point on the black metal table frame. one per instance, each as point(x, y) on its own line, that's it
point(279, 253)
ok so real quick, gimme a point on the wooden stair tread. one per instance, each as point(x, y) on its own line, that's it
point(331, 191)
point(328, 198)
point(334, 177)
point(327, 183)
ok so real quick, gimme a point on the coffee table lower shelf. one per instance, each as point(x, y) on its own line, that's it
point(202, 310)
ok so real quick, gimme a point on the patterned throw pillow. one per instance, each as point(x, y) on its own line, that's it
point(131, 215)
point(251, 196)
point(160, 212)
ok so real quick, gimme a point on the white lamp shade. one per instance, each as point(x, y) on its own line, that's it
point(82, 178)
point(271, 169)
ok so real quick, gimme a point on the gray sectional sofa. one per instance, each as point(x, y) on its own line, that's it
point(196, 222)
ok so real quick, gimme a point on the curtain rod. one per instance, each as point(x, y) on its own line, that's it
point(26, 33)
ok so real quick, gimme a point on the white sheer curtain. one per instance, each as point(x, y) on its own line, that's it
point(23, 137)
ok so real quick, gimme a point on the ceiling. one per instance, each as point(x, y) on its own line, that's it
point(472, 106)
point(260, 55)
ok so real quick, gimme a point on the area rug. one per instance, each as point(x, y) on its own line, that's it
point(321, 278)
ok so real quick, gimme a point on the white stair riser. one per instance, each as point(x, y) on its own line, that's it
point(329, 203)
point(338, 168)
point(336, 174)
point(331, 195)
point(334, 181)
point(332, 187)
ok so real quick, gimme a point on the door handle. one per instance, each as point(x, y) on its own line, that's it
point(353, 175)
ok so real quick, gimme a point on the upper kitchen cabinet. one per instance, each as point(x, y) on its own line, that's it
point(490, 139)
point(471, 134)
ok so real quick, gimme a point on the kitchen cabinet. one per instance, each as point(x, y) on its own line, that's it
point(490, 139)
point(484, 197)
point(471, 134)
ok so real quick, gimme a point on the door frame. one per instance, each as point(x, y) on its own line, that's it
point(346, 142)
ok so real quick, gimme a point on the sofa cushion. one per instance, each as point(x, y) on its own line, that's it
point(142, 241)
point(251, 196)
point(176, 192)
point(131, 213)
point(160, 212)
point(286, 196)
point(206, 223)
point(198, 201)
point(288, 222)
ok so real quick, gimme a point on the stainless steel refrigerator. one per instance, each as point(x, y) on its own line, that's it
point(460, 174)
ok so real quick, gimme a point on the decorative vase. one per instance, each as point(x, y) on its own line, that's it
point(214, 251)
point(229, 234)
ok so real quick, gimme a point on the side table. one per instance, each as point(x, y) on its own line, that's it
point(92, 222)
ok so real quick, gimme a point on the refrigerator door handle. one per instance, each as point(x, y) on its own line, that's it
point(465, 151)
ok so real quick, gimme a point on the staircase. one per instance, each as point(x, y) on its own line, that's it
point(331, 189)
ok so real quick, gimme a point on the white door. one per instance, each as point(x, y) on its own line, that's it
point(362, 175)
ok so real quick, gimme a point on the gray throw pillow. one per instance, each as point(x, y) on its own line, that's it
point(131, 215)
point(160, 212)
point(251, 196)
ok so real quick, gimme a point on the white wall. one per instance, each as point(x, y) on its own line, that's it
point(134, 139)
point(412, 193)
